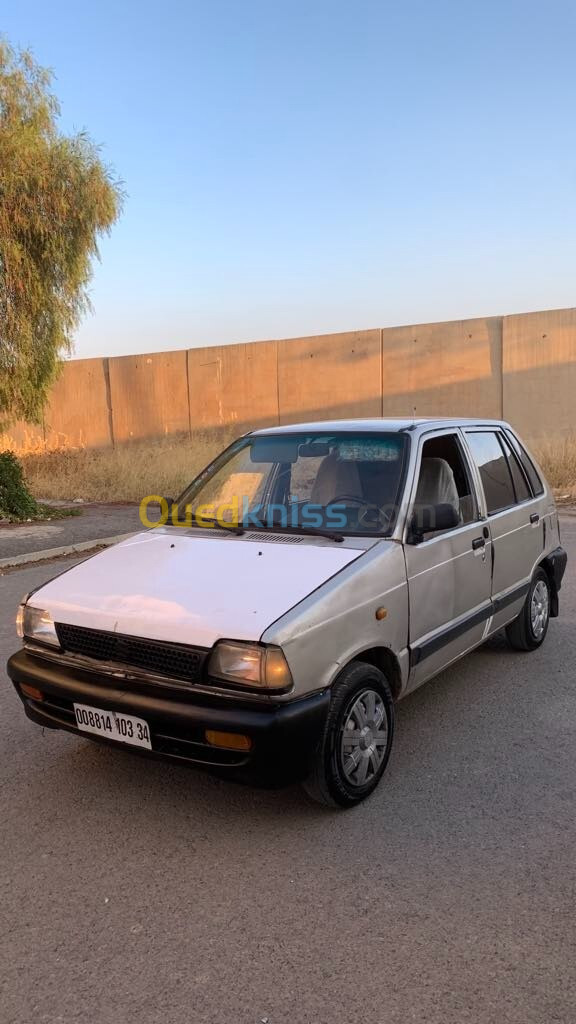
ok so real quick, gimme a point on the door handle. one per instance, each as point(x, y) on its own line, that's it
point(534, 518)
point(478, 543)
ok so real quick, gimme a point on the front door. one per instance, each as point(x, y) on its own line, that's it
point(449, 574)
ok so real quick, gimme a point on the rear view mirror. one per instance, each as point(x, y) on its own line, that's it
point(274, 449)
point(314, 450)
point(432, 519)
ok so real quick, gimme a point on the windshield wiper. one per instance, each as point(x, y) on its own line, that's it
point(239, 530)
point(308, 531)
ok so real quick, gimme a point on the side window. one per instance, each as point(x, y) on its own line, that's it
point(494, 470)
point(444, 477)
point(523, 492)
point(527, 464)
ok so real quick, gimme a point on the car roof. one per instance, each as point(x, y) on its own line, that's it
point(380, 424)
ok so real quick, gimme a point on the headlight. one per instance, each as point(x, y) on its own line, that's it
point(250, 665)
point(20, 616)
point(36, 624)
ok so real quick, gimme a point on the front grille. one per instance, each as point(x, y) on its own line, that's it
point(175, 660)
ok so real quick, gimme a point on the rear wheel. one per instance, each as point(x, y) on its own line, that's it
point(529, 629)
point(357, 739)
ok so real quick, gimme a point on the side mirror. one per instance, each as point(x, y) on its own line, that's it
point(433, 519)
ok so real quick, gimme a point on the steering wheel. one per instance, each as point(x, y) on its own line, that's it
point(347, 497)
point(370, 514)
point(373, 515)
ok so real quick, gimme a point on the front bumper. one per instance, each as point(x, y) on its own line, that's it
point(284, 736)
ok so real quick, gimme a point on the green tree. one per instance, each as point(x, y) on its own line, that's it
point(56, 198)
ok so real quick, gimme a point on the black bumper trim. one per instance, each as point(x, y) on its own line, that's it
point(284, 735)
point(556, 563)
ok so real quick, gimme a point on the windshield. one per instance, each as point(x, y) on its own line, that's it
point(342, 482)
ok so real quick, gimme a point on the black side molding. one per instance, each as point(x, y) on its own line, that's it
point(422, 651)
point(502, 602)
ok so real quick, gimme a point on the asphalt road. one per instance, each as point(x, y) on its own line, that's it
point(135, 892)
point(93, 523)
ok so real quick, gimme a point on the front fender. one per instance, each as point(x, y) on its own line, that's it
point(338, 621)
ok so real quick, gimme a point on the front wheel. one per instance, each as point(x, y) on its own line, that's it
point(528, 630)
point(357, 739)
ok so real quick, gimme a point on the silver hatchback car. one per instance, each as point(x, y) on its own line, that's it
point(306, 580)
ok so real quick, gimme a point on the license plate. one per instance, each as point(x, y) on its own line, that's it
point(114, 725)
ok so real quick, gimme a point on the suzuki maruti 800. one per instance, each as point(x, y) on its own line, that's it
point(306, 580)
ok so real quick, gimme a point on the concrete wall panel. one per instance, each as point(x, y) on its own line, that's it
point(444, 369)
point(149, 395)
point(77, 413)
point(330, 376)
point(539, 373)
point(522, 367)
point(233, 385)
point(22, 437)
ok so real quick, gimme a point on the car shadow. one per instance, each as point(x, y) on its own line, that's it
point(474, 728)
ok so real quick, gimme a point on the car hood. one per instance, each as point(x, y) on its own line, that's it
point(164, 585)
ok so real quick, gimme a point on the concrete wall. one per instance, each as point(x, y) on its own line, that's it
point(330, 376)
point(149, 395)
point(78, 411)
point(539, 373)
point(522, 368)
point(233, 384)
point(444, 369)
point(22, 437)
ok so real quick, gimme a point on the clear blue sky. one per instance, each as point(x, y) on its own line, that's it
point(302, 166)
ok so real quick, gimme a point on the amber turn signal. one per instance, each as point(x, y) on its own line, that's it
point(228, 740)
point(31, 691)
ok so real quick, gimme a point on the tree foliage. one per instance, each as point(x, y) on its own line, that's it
point(56, 198)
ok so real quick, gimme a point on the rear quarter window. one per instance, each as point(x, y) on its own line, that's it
point(494, 470)
point(526, 462)
point(521, 485)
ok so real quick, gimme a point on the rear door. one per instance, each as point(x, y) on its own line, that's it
point(515, 517)
point(449, 574)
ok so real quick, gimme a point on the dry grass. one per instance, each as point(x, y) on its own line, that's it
point(558, 460)
point(130, 472)
point(126, 473)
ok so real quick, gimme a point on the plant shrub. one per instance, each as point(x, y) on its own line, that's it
point(16, 502)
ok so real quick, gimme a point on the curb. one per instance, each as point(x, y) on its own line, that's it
point(68, 549)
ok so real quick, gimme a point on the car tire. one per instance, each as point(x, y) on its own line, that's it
point(357, 739)
point(528, 631)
